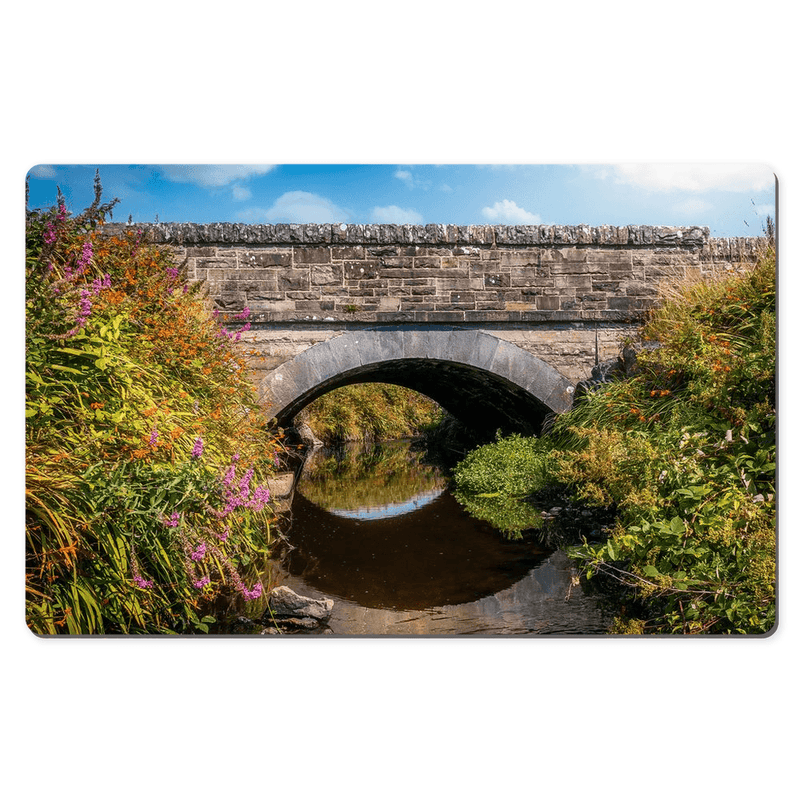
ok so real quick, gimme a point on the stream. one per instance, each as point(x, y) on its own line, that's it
point(376, 529)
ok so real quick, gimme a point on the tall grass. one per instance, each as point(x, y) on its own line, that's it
point(147, 466)
point(370, 411)
point(684, 452)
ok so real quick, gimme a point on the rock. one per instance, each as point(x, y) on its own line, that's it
point(299, 622)
point(281, 485)
point(308, 436)
point(288, 604)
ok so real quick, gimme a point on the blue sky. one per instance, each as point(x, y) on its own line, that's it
point(730, 199)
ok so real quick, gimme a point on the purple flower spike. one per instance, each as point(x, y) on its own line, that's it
point(251, 594)
point(197, 450)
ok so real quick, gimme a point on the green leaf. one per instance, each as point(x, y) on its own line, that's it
point(651, 571)
point(66, 369)
point(610, 550)
point(677, 526)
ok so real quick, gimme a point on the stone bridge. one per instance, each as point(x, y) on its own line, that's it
point(496, 323)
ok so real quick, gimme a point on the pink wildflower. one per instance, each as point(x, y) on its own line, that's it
point(199, 553)
point(172, 521)
point(223, 537)
point(251, 594)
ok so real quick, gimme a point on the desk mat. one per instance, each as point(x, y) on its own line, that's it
point(380, 400)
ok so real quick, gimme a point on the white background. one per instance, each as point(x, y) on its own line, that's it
point(413, 83)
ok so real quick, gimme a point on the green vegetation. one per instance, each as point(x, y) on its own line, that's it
point(369, 411)
point(352, 477)
point(146, 467)
point(684, 451)
point(494, 480)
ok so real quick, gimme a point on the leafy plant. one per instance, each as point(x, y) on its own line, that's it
point(684, 453)
point(143, 438)
point(494, 480)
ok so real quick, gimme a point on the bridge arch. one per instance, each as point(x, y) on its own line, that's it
point(482, 380)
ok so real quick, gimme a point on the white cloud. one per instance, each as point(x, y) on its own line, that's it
point(395, 215)
point(696, 177)
point(445, 188)
point(405, 176)
point(507, 211)
point(297, 207)
point(241, 192)
point(213, 175)
point(410, 180)
point(44, 171)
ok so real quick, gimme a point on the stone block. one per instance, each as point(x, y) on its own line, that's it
point(573, 281)
point(472, 347)
point(640, 288)
point(312, 255)
point(497, 280)
point(548, 303)
point(440, 316)
point(293, 280)
point(348, 253)
point(325, 274)
point(264, 258)
point(227, 263)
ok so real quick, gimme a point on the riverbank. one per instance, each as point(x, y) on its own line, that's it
point(682, 452)
point(148, 467)
point(369, 412)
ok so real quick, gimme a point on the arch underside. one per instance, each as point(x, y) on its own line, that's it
point(485, 382)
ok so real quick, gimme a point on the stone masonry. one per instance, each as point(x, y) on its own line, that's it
point(568, 294)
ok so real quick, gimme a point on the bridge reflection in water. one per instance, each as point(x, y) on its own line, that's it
point(387, 541)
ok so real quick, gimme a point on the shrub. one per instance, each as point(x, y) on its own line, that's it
point(683, 453)
point(686, 452)
point(493, 481)
point(147, 464)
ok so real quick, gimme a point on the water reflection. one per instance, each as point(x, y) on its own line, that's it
point(377, 530)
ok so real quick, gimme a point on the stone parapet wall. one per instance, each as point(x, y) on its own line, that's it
point(476, 274)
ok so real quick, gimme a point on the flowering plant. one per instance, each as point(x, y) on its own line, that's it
point(136, 410)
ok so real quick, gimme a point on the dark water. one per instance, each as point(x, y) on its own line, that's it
point(377, 530)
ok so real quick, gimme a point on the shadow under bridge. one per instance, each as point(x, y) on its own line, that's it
point(485, 382)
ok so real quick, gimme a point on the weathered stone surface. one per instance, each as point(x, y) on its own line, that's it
point(281, 485)
point(439, 286)
point(283, 602)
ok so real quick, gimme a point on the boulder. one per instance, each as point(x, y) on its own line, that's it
point(285, 603)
